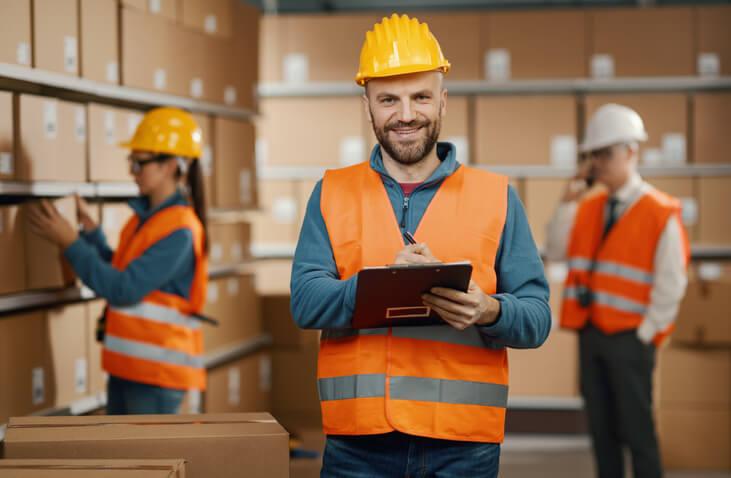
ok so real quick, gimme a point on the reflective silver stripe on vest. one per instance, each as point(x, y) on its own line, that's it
point(437, 333)
point(352, 386)
point(612, 268)
point(610, 300)
point(155, 353)
point(159, 313)
point(449, 391)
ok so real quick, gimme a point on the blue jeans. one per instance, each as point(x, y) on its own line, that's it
point(396, 454)
point(125, 397)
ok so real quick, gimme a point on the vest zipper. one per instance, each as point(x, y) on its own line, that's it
point(404, 210)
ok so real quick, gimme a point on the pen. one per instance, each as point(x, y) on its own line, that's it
point(409, 237)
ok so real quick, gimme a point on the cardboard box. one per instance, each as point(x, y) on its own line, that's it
point(50, 140)
point(641, 42)
point(109, 126)
point(55, 36)
point(7, 161)
point(210, 16)
point(703, 318)
point(713, 40)
point(294, 384)
point(711, 111)
point(165, 8)
point(215, 446)
point(114, 218)
point(272, 276)
point(15, 32)
point(12, 251)
point(229, 243)
point(277, 222)
point(67, 329)
point(714, 221)
point(99, 40)
point(234, 303)
point(542, 197)
point(694, 378)
point(26, 376)
point(456, 33)
point(278, 323)
point(526, 130)
point(45, 267)
point(235, 172)
point(533, 45)
point(240, 89)
point(207, 160)
point(695, 439)
point(666, 120)
point(97, 376)
point(241, 386)
point(41, 468)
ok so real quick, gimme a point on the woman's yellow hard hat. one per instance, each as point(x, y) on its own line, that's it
point(167, 131)
point(398, 46)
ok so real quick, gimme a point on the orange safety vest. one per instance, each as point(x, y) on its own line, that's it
point(431, 381)
point(619, 270)
point(156, 341)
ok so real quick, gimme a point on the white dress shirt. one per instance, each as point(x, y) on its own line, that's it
point(669, 275)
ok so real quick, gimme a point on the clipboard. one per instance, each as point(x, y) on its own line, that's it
point(391, 296)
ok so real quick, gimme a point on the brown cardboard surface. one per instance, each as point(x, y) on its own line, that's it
point(229, 243)
point(55, 468)
point(15, 32)
point(272, 276)
point(109, 126)
point(56, 36)
point(456, 33)
point(320, 132)
point(271, 46)
point(541, 44)
point(703, 317)
point(12, 251)
point(7, 163)
point(234, 303)
point(210, 16)
point(44, 263)
point(711, 143)
point(241, 386)
point(114, 218)
point(695, 439)
point(694, 378)
point(645, 41)
point(663, 115)
point(278, 323)
point(97, 376)
point(67, 329)
point(685, 190)
point(207, 159)
point(50, 140)
point(714, 194)
point(137, 4)
point(513, 130)
point(713, 33)
point(99, 40)
point(167, 9)
point(277, 222)
point(26, 377)
point(294, 382)
point(235, 171)
point(215, 446)
point(542, 196)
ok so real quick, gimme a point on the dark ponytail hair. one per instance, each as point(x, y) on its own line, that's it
point(198, 196)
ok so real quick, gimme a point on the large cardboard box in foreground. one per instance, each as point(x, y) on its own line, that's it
point(213, 446)
point(40, 468)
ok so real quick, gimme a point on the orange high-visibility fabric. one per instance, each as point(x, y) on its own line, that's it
point(622, 277)
point(164, 338)
point(464, 221)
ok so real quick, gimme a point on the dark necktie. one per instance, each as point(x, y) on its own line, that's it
point(611, 215)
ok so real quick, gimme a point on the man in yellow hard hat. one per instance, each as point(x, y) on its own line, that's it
point(429, 400)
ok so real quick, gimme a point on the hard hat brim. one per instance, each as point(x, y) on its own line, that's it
point(589, 147)
point(402, 70)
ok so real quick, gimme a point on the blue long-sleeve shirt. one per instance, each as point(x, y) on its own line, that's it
point(168, 265)
point(321, 300)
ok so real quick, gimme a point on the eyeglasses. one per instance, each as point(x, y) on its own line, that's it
point(137, 162)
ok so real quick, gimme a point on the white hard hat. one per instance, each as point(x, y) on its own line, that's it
point(613, 124)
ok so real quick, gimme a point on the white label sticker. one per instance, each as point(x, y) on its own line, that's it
point(207, 161)
point(216, 252)
point(245, 195)
point(563, 151)
point(602, 66)
point(7, 165)
point(709, 64)
point(113, 72)
point(261, 152)
point(155, 6)
point(352, 150)
point(22, 53)
point(710, 271)
point(133, 120)
point(196, 88)
point(110, 128)
point(212, 293)
point(160, 79)
point(39, 386)
point(234, 386)
point(652, 156)
point(497, 64)
point(80, 123)
point(236, 252)
point(80, 376)
point(557, 272)
point(284, 210)
point(232, 287)
point(210, 24)
point(296, 68)
point(229, 95)
point(265, 373)
point(50, 119)
point(194, 401)
point(70, 54)
point(462, 146)
point(673, 147)
point(689, 211)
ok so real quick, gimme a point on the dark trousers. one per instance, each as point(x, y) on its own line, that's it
point(133, 398)
point(616, 383)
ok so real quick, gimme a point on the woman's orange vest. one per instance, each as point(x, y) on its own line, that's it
point(431, 381)
point(619, 270)
point(157, 341)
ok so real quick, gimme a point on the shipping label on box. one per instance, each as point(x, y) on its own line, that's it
point(602, 66)
point(497, 64)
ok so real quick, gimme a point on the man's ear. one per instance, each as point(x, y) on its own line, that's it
point(366, 105)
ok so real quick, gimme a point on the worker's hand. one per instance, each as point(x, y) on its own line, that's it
point(83, 214)
point(463, 309)
point(577, 187)
point(415, 254)
point(45, 221)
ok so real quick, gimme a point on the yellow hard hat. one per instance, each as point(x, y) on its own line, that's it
point(398, 46)
point(167, 131)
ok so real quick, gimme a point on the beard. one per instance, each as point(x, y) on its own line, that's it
point(409, 152)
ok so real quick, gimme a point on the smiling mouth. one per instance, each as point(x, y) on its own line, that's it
point(406, 132)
